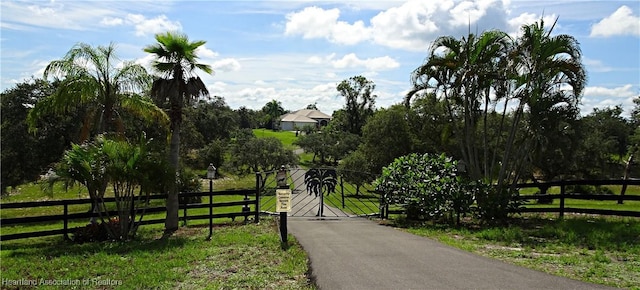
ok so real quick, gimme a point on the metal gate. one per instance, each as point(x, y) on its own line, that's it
point(322, 192)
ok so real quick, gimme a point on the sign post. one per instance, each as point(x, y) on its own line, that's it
point(283, 204)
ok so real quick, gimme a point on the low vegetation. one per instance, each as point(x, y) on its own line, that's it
point(238, 256)
point(588, 248)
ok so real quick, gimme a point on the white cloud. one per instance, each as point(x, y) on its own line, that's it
point(320, 60)
point(602, 97)
point(410, 26)
point(42, 11)
point(314, 22)
point(206, 54)
point(619, 92)
point(152, 26)
point(111, 21)
point(226, 65)
point(84, 15)
point(621, 22)
point(351, 60)
point(217, 87)
point(325, 88)
point(515, 24)
point(373, 64)
point(414, 24)
point(66, 15)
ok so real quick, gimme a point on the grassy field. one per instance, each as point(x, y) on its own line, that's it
point(602, 250)
point(588, 204)
point(286, 137)
point(238, 257)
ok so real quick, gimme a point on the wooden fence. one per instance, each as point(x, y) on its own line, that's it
point(564, 195)
point(248, 199)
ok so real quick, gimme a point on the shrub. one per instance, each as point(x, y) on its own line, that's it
point(188, 181)
point(494, 204)
point(98, 232)
point(427, 186)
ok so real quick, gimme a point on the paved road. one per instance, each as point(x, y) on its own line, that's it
point(355, 253)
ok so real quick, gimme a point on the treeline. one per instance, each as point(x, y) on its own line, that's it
point(209, 126)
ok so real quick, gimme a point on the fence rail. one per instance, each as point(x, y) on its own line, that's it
point(563, 196)
point(250, 207)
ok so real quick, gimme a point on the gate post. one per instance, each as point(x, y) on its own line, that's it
point(321, 205)
point(342, 190)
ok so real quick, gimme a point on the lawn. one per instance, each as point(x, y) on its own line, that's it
point(238, 256)
point(286, 137)
point(602, 250)
point(588, 204)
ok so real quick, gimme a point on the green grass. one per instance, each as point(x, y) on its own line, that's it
point(33, 192)
point(306, 160)
point(588, 204)
point(602, 250)
point(238, 257)
point(286, 137)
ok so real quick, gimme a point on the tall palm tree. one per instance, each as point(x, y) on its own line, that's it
point(273, 110)
point(176, 61)
point(550, 78)
point(94, 78)
point(463, 72)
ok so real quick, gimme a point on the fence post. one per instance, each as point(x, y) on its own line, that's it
point(257, 218)
point(245, 207)
point(381, 206)
point(562, 195)
point(184, 210)
point(66, 222)
point(210, 209)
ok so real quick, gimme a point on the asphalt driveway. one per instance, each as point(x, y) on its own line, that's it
point(356, 253)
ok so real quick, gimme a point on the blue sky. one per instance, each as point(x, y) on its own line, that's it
point(298, 51)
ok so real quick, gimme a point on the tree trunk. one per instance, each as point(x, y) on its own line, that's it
point(171, 221)
point(627, 170)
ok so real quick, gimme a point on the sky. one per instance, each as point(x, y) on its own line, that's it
point(297, 52)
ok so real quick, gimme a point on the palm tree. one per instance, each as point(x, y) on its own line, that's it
point(176, 62)
point(463, 72)
point(542, 75)
point(125, 166)
point(93, 78)
point(550, 79)
point(273, 110)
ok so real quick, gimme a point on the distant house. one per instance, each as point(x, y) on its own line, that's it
point(297, 120)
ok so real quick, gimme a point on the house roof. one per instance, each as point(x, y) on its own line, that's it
point(291, 117)
point(313, 114)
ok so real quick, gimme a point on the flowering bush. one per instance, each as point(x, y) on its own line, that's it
point(427, 186)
